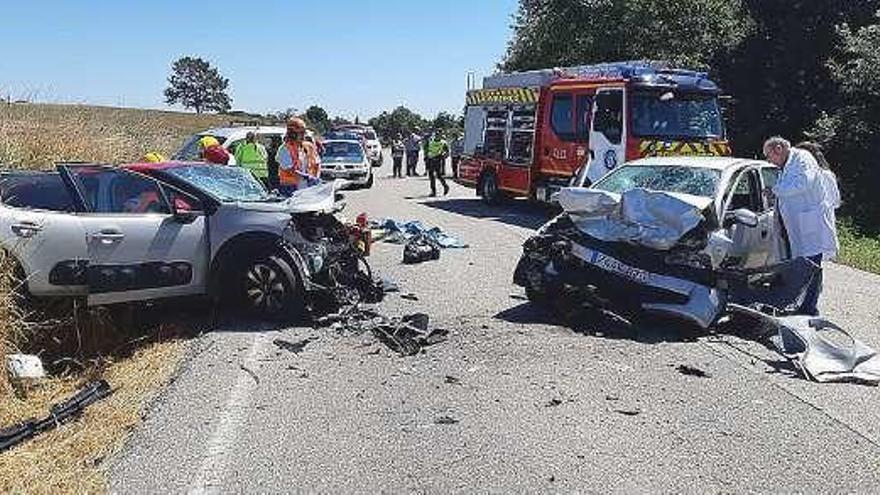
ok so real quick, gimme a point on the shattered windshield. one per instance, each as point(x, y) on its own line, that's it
point(224, 183)
point(681, 116)
point(695, 181)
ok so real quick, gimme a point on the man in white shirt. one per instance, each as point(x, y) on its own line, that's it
point(801, 198)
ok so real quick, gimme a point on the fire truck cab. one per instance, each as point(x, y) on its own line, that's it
point(531, 133)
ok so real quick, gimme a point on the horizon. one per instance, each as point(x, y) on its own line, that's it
point(60, 57)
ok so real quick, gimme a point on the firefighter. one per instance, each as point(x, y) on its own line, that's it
point(436, 151)
point(211, 151)
point(298, 163)
point(153, 157)
point(253, 156)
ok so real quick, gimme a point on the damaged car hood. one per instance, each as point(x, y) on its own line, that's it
point(653, 219)
point(320, 198)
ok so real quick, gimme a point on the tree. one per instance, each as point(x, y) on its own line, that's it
point(398, 122)
point(447, 124)
point(195, 84)
point(690, 33)
point(318, 118)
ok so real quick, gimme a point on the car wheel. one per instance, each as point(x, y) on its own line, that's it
point(266, 290)
point(489, 189)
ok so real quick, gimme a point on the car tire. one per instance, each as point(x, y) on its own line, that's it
point(265, 289)
point(489, 189)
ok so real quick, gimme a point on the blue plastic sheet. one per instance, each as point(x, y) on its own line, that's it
point(399, 232)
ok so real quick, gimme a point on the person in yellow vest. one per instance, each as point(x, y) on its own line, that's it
point(253, 156)
point(436, 152)
point(298, 163)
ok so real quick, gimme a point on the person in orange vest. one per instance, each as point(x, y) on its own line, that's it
point(298, 163)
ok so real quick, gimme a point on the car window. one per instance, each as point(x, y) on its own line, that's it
point(110, 190)
point(746, 193)
point(770, 175)
point(343, 150)
point(38, 191)
point(223, 183)
point(696, 181)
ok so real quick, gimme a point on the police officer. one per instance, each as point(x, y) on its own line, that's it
point(436, 151)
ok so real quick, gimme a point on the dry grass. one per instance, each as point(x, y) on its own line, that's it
point(36, 136)
point(135, 359)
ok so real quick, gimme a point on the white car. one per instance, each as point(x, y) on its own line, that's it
point(230, 137)
point(346, 159)
point(371, 141)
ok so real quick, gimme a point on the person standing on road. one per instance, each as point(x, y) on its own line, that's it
point(253, 156)
point(211, 151)
point(800, 194)
point(412, 154)
point(397, 150)
point(831, 244)
point(272, 162)
point(436, 151)
point(298, 164)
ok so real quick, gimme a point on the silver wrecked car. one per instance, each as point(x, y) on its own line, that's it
point(674, 235)
point(146, 231)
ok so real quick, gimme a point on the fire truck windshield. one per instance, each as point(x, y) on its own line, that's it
point(675, 115)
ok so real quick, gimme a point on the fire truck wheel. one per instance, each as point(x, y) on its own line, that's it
point(489, 188)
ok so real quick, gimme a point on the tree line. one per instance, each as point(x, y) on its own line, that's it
point(803, 69)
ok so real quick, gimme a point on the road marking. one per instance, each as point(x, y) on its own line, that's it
point(233, 416)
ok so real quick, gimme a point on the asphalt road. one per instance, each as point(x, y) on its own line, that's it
point(534, 406)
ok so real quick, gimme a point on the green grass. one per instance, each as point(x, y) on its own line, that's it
point(858, 249)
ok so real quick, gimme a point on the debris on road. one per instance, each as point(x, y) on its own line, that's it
point(452, 380)
point(398, 232)
point(445, 420)
point(409, 296)
point(25, 367)
point(294, 347)
point(389, 285)
point(692, 371)
point(420, 248)
point(628, 412)
point(553, 403)
point(59, 414)
point(406, 336)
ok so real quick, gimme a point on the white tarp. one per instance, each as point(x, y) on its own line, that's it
point(650, 218)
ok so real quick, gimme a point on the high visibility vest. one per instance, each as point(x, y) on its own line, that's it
point(296, 160)
point(436, 147)
point(252, 156)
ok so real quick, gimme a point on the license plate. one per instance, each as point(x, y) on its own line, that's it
point(610, 264)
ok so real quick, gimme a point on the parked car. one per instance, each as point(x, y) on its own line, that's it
point(677, 235)
point(346, 159)
point(231, 137)
point(146, 231)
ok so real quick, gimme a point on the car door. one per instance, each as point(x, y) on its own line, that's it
point(38, 226)
point(607, 136)
point(139, 245)
point(778, 240)
point(752, 245)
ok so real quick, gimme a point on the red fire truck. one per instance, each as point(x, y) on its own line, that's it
point(531, 133)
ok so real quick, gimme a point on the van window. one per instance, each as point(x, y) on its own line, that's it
point(561, 116)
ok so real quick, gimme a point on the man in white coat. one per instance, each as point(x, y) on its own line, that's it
point(801, 196)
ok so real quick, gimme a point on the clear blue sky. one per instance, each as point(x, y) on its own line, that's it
point(351, 57)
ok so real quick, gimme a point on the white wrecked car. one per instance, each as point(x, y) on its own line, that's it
point(671, 235)
point(147, 231)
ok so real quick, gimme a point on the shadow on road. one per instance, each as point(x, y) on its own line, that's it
point(512, 212)
point(586, 321)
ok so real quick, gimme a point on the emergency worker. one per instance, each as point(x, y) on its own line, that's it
point(298, 162)
point(397, 150)
point(153, 157)
point(211, 151)
point(272, 161)
point(253, 156)
point(800, 195)
point(436, 151)
point(412, 154)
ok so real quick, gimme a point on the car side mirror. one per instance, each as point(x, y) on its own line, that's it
point(741, 216)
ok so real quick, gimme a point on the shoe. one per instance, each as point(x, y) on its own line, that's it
point(432, 195)
point(445, 189)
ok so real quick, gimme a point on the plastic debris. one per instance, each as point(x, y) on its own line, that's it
point(25, 367)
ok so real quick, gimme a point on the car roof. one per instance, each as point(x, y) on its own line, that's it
point(714, 162)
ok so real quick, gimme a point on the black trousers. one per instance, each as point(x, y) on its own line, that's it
point(398, 161)
point(412, 159)
point(435, 172)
